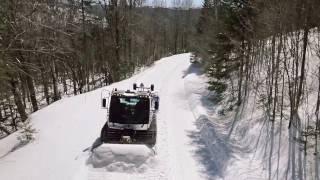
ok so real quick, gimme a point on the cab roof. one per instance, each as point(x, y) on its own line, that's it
point(116, 92)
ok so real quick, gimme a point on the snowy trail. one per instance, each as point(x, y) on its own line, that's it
point(174, 159)
point(71, 125)
point(180, 120)
point(160, 74)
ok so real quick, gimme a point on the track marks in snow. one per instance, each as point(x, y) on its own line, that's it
point(148, 166)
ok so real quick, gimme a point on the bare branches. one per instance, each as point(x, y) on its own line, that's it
point(45, 26)
point(49, 49)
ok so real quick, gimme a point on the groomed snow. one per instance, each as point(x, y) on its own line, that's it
point(193, 141)
point(67, 129)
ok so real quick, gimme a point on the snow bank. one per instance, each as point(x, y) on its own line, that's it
point(121, 157)
point(9, 144)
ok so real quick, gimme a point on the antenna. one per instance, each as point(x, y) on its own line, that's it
point(142, 87)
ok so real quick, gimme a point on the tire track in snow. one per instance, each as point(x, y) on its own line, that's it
point(180, 121)
point(163, 157)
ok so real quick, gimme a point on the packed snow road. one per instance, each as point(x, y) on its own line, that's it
point(67, 128)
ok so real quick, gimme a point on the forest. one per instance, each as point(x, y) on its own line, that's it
point(50, 49)
point(261, 52)
point(268, 49)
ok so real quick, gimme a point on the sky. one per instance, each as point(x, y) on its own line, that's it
point(169, 3)
point(198, 3)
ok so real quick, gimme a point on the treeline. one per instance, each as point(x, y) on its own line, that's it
point(50, 49)
point(271, 48)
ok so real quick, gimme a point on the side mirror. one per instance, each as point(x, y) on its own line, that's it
point(105, 95)
point(104, 103)
point(156, 105)
point(152, 87)
point(134, 86)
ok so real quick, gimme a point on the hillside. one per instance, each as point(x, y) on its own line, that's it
point(69, 126)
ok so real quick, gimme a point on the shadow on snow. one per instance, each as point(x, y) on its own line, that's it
point(194, 68)
point(213, 149)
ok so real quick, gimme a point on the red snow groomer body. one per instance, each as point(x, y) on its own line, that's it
point(131, 116)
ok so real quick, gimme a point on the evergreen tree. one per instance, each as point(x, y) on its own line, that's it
point(229, 32)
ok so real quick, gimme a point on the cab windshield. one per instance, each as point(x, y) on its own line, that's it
point(129, 110)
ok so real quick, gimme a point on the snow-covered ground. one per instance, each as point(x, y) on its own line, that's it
point(194, 141)
point(67, 128)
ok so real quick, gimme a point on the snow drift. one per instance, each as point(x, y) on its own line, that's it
point(121, 158)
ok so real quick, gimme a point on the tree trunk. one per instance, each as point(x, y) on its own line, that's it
point(241, 75)
point(29, 81)
point(32, 92)
point(56, 95)
point(45, 83)
point(302, 73)
point(17, 99)
point(23, 90)
point(64, 83)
